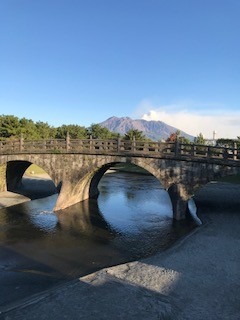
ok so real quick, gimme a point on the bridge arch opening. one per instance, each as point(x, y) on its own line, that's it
point(125, 190)
point(117, 167)
point(28, 179)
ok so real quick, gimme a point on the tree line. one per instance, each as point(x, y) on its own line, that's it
point(12, 127)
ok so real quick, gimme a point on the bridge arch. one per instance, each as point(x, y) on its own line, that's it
point(93, 188)
point(86, 180)
point(12, 175)
point(80, 172)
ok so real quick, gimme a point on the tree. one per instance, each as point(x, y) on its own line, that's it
point(225, 142)
point(9, 126)
point(134, 133)
point(27, 129)
point(75, 132)
point(99, 132)
point(184, 140)
point(199, 139)
point(12, 127)
point(173, 136)
point(45, 131)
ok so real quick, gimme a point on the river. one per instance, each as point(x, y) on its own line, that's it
point(131, 219)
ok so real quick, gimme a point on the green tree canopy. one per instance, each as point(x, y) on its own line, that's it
point(75, 132)
point(199, 139)
point(9, 126)
point(98, 132)
point(27, 129)
point(135, 134)
point(45, 131)
point(222, 142)
point(12, 127)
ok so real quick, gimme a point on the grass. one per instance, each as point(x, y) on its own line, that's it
point(33, 168)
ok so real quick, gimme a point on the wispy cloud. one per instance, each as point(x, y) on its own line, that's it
point(194, 118)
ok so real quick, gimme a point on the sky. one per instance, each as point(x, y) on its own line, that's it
point(83, 61)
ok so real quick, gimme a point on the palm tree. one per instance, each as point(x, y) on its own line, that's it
point(134, 134)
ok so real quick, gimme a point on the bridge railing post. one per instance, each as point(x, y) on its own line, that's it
point(68, 142)
point(209, 152)
point(133, 144)
point(21, 143)
point(176, 147)
point(90, 142)
point(225, 154)
point(235, 151)
point(193, 150)
point(118, 144)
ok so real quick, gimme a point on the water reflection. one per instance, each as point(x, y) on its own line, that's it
point(132, 218)
point(84, 218)
point(133, 203)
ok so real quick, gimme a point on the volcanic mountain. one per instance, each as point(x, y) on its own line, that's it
point(155, 130)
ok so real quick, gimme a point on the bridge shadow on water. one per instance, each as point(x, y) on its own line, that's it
point(36, 187)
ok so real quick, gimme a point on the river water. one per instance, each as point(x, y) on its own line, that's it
point(131, 219)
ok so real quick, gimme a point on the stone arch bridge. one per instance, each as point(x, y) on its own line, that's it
point(78, 165)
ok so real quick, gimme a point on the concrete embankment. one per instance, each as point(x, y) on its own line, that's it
point(8, 199)
point(198, 278)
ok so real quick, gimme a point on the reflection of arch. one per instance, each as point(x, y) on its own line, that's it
point(86, 218)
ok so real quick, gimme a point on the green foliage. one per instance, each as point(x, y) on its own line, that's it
point(45, 131)
point(184, 140)
point(9, 126)
point(134, 133)
point(98, 132)
point(75, 132)
point(199, 139)
point(27, 129)
point(228, 142)
point(12, 127)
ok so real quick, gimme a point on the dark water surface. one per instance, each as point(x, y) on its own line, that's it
point(131, 219)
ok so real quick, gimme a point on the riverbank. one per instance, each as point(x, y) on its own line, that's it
point(8, 199)
point(34, 186)
point(198, 278)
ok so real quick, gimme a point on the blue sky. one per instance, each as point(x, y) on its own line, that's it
point(80, 62)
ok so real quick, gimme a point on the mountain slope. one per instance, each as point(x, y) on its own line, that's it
point(155, 130)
